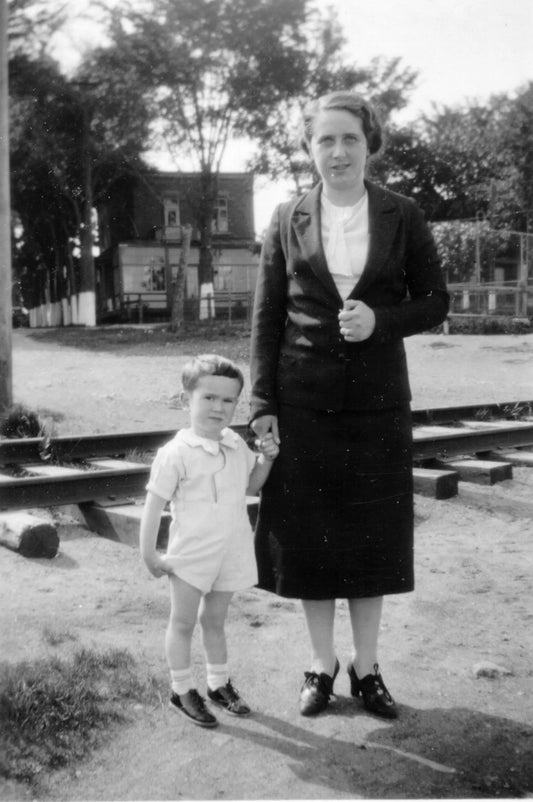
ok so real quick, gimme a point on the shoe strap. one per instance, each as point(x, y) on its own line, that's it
point(378, 685)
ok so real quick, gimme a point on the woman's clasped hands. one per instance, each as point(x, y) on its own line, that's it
point(356, 320)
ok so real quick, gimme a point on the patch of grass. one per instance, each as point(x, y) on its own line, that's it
point(138, 455)
point(53, 711)
point(55, 637)
point(20, 421)
point(518, 411)
point(229, 339)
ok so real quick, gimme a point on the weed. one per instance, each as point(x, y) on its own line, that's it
point(54, 712)
point(138, 455)
point(55, 637)
point(20, 421)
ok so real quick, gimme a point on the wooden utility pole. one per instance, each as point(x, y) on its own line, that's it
point(6, 379)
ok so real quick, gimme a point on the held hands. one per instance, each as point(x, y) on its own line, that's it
point(265, 424)
point(357, 321)
point(268, 446)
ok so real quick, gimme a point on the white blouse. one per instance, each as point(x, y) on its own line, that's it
point(346, 239)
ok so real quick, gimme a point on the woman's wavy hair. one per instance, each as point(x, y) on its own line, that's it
point(344, 101)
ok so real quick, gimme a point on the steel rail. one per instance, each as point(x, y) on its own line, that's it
point(67, 448)
point(130, 481)
point(56, 491)
point(470, 441)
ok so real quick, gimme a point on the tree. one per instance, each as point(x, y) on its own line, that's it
point(517, 139)
point(70, 138)
point(469, 247)
point(31, 23)
point(211, 70)
point(469, 161)
point(386, 83)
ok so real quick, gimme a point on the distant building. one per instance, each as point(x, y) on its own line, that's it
point(140, 235)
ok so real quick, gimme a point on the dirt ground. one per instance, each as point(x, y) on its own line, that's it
point(456, 653)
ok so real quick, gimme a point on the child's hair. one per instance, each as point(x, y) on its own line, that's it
point(209, 365)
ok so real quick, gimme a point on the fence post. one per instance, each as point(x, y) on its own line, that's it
point(521, 297)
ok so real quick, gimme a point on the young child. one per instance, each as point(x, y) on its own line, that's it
point(205, 472)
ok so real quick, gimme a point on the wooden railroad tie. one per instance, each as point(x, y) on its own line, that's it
point(454, 459)
point(120, 520)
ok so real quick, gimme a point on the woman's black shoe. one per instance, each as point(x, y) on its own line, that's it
point(376, 697)
point(316, 691)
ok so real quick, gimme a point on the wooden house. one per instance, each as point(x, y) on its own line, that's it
point(140, 236)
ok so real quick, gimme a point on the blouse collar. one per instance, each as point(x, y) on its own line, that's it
point(342, 213)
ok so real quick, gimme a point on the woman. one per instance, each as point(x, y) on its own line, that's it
point(346, 272)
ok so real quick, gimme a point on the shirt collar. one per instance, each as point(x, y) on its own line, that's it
point(229, 439)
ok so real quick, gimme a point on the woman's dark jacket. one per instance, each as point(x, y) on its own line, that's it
point(298, 355)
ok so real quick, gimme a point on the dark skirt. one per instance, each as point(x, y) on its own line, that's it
point(336, 514)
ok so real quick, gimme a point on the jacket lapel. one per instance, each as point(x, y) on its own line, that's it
point(383, 220)
point(306, 221)
point(383, 216)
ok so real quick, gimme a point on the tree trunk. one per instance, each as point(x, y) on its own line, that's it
point(208, 183)
point(177, 314)
point(205, 222)
point(87, 295)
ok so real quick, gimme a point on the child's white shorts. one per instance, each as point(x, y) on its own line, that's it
point(221, 560)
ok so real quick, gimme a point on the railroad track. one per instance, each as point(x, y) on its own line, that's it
point(107, 468)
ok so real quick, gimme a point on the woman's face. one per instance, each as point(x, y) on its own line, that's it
point(339, 149)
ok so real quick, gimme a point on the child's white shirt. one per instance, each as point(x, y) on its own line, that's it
point(210, 537)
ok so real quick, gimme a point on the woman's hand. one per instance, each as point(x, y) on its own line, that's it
point(357, 321)
point(265, 424)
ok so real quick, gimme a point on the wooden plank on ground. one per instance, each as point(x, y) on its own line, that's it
point(482, 472)
point(435, 483)
point(28, 534)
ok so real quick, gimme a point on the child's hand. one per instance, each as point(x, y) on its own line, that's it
point(157, 565)
point(268, 446)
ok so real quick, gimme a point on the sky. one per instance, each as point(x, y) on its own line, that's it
point(462, 50)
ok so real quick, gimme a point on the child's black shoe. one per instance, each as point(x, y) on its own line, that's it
point(228, 698)
point(192, 706)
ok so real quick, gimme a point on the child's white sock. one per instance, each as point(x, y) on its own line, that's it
point(217, 676)
point(182, 681)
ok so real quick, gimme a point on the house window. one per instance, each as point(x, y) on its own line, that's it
point(154, 275)
point(220, 216)
point(172, 218)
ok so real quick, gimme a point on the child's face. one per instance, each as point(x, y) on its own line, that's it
point(211, 405)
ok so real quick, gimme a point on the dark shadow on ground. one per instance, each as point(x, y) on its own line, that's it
point(437, 753)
